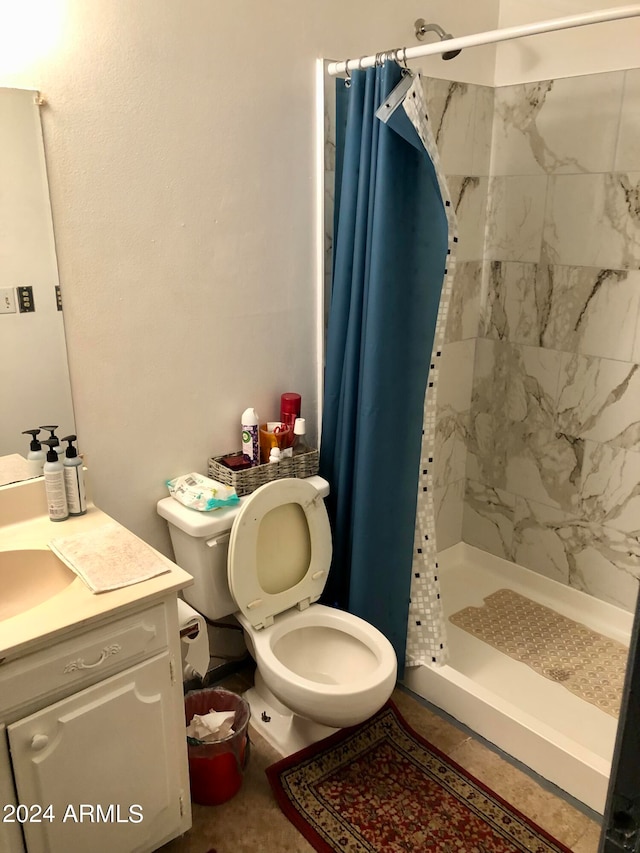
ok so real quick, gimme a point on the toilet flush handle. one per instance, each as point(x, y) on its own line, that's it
point(222, 539)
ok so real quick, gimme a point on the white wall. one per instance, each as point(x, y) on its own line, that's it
point(180, 148)
point(611, 46)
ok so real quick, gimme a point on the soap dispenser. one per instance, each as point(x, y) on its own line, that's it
point(36, 455)
point(54, 483)
point(74, 479)
point(53, 437)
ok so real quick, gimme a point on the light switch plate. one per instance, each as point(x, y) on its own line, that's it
point(25, 299)
point(7, 300)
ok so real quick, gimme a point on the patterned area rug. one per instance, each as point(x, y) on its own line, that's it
point(381, 788)
point(587, 663)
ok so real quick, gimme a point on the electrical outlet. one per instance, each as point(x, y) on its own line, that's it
point(7, 300)
point(25, 300)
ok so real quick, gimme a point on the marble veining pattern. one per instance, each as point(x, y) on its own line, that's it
point(553, 441)
point(461, 115)
point(586, 310)
point(515, 216)
point(599, 399)
point(593, 220)
point(464, 308)
point(549, 127)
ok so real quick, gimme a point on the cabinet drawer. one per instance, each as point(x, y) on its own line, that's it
point(83, 659)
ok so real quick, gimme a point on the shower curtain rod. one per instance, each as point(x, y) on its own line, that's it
point(490, 37)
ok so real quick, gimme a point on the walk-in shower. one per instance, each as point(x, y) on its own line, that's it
point(540, 330)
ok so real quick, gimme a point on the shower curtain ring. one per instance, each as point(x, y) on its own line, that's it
point(347, 82)
point(404, 58)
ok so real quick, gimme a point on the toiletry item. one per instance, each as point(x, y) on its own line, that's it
point(235, 461)
point(250, 445)
point(299, 432)
point(274, 455)
point(54, 483)
point(201, 493)
point(53, 437)
point(74, 479)
point(274, 434)
point(290, 408)
point(36, 455)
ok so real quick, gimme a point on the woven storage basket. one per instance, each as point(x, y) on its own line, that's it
point(244, 482)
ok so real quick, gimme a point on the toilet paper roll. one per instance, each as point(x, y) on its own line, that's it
point(195, 650)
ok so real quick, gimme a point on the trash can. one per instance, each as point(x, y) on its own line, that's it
point(216, 769)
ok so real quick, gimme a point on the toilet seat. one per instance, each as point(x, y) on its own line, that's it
point(279, 550)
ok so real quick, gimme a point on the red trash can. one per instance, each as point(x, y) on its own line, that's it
point(216, 769)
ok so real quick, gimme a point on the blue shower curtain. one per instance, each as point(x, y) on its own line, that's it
point(390, 248)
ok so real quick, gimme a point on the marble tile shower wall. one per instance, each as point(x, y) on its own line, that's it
point(553, 438)
point(461, 116)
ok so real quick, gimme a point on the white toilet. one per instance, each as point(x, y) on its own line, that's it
point(318, 668)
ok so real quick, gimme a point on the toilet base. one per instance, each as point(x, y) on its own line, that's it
point(285, 731)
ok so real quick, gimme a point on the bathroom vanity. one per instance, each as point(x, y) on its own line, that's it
point(92, 729)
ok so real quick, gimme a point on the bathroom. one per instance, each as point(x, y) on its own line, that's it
point(181, 143)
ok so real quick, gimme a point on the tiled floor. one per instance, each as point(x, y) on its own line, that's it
point(251, 821)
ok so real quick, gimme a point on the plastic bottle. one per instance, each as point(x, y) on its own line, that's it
point(74, 479)
point(54, 483)
point(36, 455)
point(299, 432)
point(289, 408)
point(53, 437)
point(250, 444)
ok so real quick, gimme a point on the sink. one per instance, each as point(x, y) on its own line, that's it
point(28, 578)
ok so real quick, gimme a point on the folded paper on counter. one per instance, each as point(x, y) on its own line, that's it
point(108, 557)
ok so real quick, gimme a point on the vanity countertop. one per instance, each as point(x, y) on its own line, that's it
point(75, 605)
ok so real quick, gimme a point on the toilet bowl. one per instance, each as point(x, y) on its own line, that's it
point(325, 664)
point(318, 668)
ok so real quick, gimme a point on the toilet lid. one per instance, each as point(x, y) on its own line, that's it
point(279, 550)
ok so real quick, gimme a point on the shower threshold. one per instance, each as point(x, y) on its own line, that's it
point(560, 736)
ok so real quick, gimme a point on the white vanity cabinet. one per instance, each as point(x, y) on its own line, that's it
point(94, 733)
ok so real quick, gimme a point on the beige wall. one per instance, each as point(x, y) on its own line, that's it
point(611, 46)
point(180, 147)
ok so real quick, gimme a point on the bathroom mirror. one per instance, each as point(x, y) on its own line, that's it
point(34, 375)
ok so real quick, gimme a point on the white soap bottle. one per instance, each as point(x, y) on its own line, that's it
point(36, 455)
point(74, 479)
point(250, 443)
point(54, 483)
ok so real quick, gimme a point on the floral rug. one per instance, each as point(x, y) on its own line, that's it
point(381, 788)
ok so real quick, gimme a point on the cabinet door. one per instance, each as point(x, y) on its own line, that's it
point(105, 761)
point(10, 834)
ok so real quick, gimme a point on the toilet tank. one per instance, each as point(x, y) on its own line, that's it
point(200, 545)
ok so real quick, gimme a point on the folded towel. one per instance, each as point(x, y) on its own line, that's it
point(108, 557)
